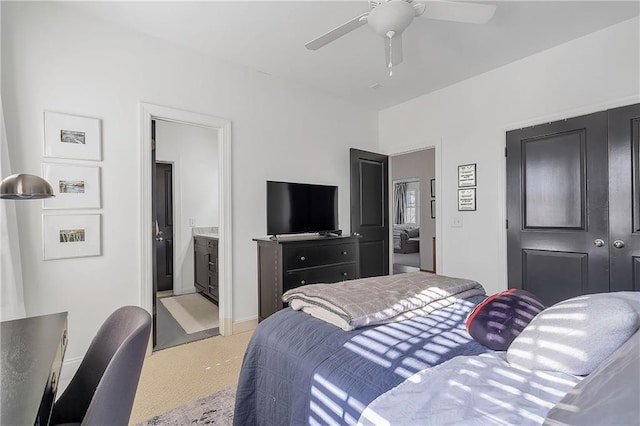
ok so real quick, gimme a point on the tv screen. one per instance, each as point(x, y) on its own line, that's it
point(299, 207)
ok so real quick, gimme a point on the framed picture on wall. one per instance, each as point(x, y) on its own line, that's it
point(433, 188)
point(467, 199)
point(74, 186)
point(70, 235)
point(466, 175)
point(72, 136)
point(433, 209)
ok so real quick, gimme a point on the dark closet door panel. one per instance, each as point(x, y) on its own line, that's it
point(554, 276)
point(624, 197)
point(557, 207)
point(554, 181)
point(373, 178)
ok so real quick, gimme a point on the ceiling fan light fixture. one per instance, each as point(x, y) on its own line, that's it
point(391, 16)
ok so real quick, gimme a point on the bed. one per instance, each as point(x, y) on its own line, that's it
point(300, 370)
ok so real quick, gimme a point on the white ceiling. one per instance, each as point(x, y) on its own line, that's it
point(270, 36)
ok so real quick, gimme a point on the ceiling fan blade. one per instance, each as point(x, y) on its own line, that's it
point(337, 32)
point(393, 50)
point(470, 13)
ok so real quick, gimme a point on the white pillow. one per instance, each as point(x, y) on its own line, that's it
point(576, 335)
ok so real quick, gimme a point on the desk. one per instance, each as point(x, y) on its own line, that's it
point(32, 353)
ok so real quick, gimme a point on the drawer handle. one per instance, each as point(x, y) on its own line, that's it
point(344, 252)
point(303, 282)
point(344, 274)
point(303, 258)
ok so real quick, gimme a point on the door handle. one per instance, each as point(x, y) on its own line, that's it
point(598, 243)
point(618, 244)
point(159, 236)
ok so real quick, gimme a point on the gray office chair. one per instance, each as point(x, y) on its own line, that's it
point(102, 390)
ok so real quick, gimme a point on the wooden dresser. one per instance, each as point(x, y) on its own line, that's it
point(290, 262)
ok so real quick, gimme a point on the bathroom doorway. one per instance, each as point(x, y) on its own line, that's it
point(186, 204)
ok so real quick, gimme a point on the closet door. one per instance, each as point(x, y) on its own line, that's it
point(624, 197)
point(557, 184)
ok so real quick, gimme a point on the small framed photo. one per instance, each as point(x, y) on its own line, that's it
point(467, 199)
point(72, 136)
point(70, 235)
point(467, 175)
point(433, 209)
point(74, 187)
point(433, 188)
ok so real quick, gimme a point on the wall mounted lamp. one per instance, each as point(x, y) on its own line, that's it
point(25, 187)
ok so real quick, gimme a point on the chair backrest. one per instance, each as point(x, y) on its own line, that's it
point(103, 389)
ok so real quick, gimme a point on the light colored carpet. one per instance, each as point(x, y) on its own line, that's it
point(213, 410)
point(192, 311)
point(183, 374)
point(408, 259)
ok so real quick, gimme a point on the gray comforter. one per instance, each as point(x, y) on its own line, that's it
point(299, 370)
point(380, 300)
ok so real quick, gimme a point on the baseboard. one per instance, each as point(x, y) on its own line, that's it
point(245, 325)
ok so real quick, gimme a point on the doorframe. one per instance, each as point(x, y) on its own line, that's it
point(408, 149)
point(148, 112)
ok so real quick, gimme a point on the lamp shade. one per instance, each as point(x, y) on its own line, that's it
point(25, 187)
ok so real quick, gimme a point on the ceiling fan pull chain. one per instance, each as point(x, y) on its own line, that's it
point(390, 34)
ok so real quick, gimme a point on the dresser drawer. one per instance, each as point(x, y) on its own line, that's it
point(326, 274)
point(308, 256)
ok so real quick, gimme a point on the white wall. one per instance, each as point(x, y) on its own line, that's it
point(55, 58)
point(193, 153)
point(470, 118)
point(420, 165)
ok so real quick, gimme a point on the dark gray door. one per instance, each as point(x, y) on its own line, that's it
point(164, 226)
point(557, 208)
point(370, 210)
point(624, 197)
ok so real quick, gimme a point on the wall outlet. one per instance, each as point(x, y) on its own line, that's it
point(456, 222)
point(192, 222)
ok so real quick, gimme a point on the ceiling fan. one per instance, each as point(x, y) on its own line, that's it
point(389, 18)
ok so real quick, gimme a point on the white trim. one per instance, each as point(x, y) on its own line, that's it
point(408, 149)
point(243, 326)
point(501, 217)
point(225, 246)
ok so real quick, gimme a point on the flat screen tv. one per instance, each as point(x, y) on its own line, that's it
point(294, 208)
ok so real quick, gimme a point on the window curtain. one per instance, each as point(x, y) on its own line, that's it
point(400, 202)
point(11, 294)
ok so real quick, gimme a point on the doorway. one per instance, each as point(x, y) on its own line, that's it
point(413, 211)
point(222, 128)
point(186, 208)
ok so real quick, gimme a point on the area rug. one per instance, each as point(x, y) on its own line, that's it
point(192, 311)
point(213, 410)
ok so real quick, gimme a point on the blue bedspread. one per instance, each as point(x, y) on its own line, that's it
point(300, 370)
